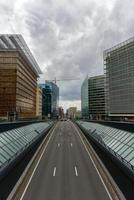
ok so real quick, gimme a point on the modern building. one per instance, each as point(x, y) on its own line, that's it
point(96, 96)
point(50, 99)
point(18, 78)
point(93, 98)
point(39, 102)
point(71, 112)
point(61, 113)
point(55, 98)
point(78, 114)
point(46, 100)
point(119, 69)
point(84, 99)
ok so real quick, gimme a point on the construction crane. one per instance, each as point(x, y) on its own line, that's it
point(66, 79)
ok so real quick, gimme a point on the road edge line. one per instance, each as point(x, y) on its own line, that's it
point(110, 179)
point(12, 194)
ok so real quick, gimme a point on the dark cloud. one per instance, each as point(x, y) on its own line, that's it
point(68, 37)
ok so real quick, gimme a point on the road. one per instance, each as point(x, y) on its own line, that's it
point(65, 170)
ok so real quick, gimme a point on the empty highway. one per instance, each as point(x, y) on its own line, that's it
point(65, 170)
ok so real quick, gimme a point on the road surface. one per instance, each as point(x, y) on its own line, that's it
point(65, 170)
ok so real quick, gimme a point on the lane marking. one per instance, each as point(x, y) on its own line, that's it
point(54, 172)
point(71, 144)
point(37, 163)
point(93, 163)
point(76, 171)
point(58, 144)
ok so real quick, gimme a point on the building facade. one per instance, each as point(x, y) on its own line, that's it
point(84, 99)
point(61, 113)
point(50, 99)
point(18, 78)
point(93, 98)
point(71, 112)
point(39, 102)
point(119, 69)
point(78, 114)
point(55, 98)
point(46, 100)
point(96, 96)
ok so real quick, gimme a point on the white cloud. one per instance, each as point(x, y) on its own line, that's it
point(67, 37)
point(68, 104)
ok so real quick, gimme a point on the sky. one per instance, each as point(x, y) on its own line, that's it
point(68, 37)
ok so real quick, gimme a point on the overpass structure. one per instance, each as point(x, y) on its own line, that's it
point(65, 166)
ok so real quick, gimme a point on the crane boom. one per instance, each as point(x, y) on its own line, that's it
point(66, 79)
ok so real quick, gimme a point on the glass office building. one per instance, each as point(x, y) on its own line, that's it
point(93, 97)
point(55, 98)
point(50, 99)
point(18, 78)
point(84, 99)
point(46, 100)
point(119, 68)
point(96, 96)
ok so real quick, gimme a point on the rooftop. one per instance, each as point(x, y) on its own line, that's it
point(126, 42)
point(13, 42)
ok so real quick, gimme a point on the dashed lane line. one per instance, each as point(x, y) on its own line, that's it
point(54, 172)
point(58, 144)
point(23, 194)
point(76, 171)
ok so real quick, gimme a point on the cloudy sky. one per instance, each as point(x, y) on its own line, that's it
point(67, 37)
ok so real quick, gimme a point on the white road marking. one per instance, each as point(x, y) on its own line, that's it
point(76, 171)
point(58, 144)
point(54, 172)
point(93, 163)
point(37, 164)
point(71, 144)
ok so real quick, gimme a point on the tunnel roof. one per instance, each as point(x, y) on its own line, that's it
point(12, 42)
point(15, 141)
point(118, 142)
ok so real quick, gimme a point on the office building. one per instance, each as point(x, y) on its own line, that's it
point(71, 112)
point(46, 100)
point(84, 99)
point(55, 98)
point(119, 69)
point(96, 96)
point(78, 114)
point(61, 113)
point(18, 78)
point(50, 99)
point(38, 102)
point(93, 98)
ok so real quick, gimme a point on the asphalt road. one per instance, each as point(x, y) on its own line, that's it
point(65, 171)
